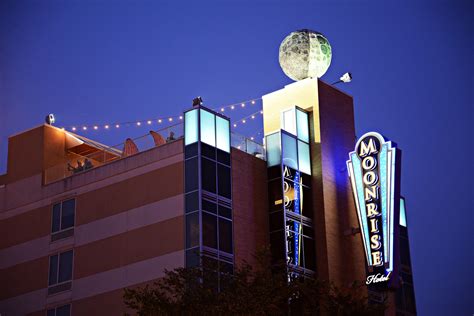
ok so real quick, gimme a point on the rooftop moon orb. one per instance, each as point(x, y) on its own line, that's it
point(305, 54)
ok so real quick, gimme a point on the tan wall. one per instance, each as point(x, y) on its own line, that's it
point(250, 209)
point(124, 249)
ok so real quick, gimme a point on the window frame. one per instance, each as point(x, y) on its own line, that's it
point(61, 202)
point(58, 254)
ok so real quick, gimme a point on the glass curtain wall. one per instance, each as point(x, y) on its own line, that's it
point(208, 192)
point(290, 200)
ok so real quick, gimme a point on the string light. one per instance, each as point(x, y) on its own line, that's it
point(170, 119)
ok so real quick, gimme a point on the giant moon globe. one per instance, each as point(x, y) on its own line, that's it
point(305, 54)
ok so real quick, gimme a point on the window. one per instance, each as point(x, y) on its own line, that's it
point(191, 174)
point(64, 310)
point(223, 174)
point(304, 158)
point(290, 156)
point(192, 230)
point(273, 149)
point(208, 128)
point(225, 235)
point(208, 175)
point(191, 127)
point(289, 121)
point(209, 230)
point(63, 215)
point(192, 202)
point(302, 125)
point(60, 267)
point(222, 133)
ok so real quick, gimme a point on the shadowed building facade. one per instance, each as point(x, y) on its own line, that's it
point(80, 221)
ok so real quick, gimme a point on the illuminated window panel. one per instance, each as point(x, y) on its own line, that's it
point(208, 128)
point(289, 151)
point(288, 120)
point(273, 149)
point(304, 160)
point(403, 215)
point(191, 132)
point(222, 133)
point(302, 125)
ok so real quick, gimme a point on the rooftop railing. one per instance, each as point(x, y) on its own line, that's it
point(78, 162)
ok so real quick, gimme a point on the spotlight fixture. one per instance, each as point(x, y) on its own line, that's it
point(345, 78)
point(50, 119)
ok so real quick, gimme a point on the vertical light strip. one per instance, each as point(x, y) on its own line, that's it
point(383, 197)
point(362, 212)
point(392, 203)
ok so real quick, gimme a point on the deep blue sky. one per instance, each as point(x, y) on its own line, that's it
point(105, 61)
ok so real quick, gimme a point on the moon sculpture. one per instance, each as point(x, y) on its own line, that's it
point(305, 54)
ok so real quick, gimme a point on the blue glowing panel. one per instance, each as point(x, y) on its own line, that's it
point(191, 130)
point(403, 214)
point(272, 143)
point(208, 128)
point(302, 125)
point(289, 151)
point(222, 134)
point(304, 159)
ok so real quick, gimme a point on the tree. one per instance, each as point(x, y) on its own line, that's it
point(262, 290)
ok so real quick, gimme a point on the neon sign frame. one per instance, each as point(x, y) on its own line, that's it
point(372, 169)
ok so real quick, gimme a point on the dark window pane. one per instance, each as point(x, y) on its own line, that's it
point(308, 231)
point(225, 267)
point(65, 266)
point(191, 174)
point(276, 221)
point(192, 257)
point(51, 312)
point(191, 150)
point(192, 230)
point(224, 180)
point(56, 217)
point(208, 151)
point(67, 218)
point(209, 206)
point(277, 245)
point(225, 235)
point(225, 211)
point(64, 310)
point(223, 157)
point(192, 202)
point(274, 172)
point(306, 202)
point(310, 258)
point(208, 175)
point(275, 195)
point(53, 270)
point(209, 230)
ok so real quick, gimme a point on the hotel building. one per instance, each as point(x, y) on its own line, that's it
point(80, 221)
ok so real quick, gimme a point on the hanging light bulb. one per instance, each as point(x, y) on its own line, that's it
point(243, 121)
point(222, 109)
point(232, 107)
point(180, 117)
point(159, 121)
point(106, 126)
point(96, 127)
point(235, 125)
point(253, 116)
point(84, 128)
point(148, 122)
point(73, 128)
point(139, 123)
point(117, 126)
point(243, 104)
point(170, 119)
point(253, 102)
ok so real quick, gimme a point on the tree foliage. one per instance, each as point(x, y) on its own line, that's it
point(260, 290)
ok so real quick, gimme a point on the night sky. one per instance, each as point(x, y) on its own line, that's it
point(109, 61)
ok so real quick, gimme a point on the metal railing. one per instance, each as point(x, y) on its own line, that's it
point(77, 163)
